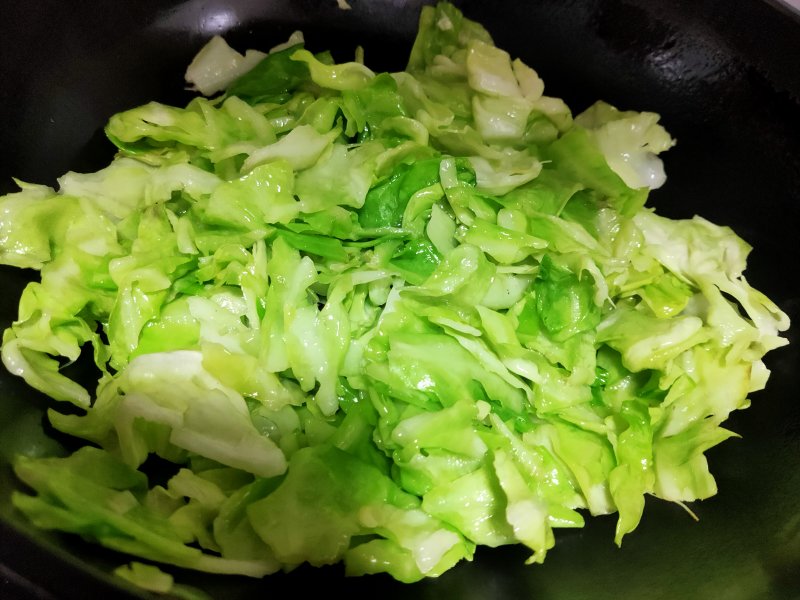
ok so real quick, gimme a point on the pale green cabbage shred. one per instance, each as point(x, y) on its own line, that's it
point(373, 318)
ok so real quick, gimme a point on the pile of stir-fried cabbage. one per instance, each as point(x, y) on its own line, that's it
point(376, 318)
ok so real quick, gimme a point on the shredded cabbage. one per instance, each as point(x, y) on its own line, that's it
point(374, 318)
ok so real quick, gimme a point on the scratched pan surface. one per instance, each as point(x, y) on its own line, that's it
point(724, 76)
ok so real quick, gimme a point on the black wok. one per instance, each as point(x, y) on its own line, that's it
point(725, 77)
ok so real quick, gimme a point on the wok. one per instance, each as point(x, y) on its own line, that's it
point(725, 78)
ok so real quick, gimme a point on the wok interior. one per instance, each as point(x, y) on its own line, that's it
point(731, 102)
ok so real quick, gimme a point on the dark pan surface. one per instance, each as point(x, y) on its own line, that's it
point(724, 76)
